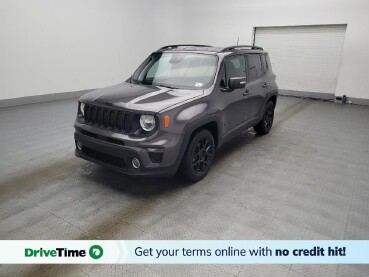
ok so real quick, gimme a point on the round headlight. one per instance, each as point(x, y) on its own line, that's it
point(82, 108)
point(147, 122)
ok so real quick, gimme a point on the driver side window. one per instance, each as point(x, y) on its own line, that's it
point(233, 66)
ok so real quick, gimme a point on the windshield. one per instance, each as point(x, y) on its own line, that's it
point(177, 70)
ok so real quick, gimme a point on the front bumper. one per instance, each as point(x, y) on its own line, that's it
point(158, 155)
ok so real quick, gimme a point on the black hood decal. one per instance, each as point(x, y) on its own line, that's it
point(140, 97)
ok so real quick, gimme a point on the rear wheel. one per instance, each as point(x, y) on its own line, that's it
point(199, 156)
point(266, 123)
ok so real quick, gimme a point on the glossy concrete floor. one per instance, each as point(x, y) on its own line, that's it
point(307, 179)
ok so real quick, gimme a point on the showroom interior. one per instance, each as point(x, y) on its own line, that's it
point(308, 179)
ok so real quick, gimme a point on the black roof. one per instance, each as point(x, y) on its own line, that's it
point(208, 48)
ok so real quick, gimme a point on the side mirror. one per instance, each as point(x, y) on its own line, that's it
point(237, 82)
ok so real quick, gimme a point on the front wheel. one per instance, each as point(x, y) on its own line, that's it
point(199, 156)
point(266, 122)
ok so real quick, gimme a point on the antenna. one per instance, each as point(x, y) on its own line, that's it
point(238, 38)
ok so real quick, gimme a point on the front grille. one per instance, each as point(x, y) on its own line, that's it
point(103, 157)
point(107, 118)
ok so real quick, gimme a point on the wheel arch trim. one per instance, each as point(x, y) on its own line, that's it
point(191, 127)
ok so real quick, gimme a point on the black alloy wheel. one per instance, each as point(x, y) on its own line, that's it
point(198, 156)
point(269, 117)
point(266, 123)
point(202, 155)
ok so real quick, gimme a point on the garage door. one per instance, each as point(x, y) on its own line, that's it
point(304, 58)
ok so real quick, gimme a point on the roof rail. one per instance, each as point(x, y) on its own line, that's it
point(179, 45)
point(234, 47)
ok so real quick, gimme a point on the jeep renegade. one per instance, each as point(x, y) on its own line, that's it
point(178, 107)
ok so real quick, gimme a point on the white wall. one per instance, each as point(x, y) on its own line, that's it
point(170, 22)
point(220, 22)
point(50, 46)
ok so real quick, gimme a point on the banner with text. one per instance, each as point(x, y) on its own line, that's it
point(184, 251)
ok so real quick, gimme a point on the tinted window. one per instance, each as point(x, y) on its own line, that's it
point(234, 66)
point(254, 66)
point(264, 63)
point(223, 82)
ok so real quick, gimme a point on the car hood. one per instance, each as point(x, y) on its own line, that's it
point(140, 97)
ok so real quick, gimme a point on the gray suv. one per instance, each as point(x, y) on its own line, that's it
point(181, 104)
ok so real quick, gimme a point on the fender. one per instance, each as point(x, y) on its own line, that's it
point(268, 96)
point(191, 127)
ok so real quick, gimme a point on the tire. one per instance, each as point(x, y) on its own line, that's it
point(199, 156)
point(266, 122)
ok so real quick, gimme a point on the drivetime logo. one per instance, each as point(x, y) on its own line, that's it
point(95, 252)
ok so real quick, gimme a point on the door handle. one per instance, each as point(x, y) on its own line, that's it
point(265, 85)
point(247, 92)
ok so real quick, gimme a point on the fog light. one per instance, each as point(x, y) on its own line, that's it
point(79, 145)
point(136, 163)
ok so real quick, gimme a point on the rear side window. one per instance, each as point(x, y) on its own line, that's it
point(264, 63)
point(254, 67)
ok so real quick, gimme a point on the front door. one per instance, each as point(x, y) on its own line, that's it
point(233, 100)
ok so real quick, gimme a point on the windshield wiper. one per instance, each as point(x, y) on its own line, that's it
point(151, 84)
point(134, 81)
point(166, 86)
point(142, 82)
